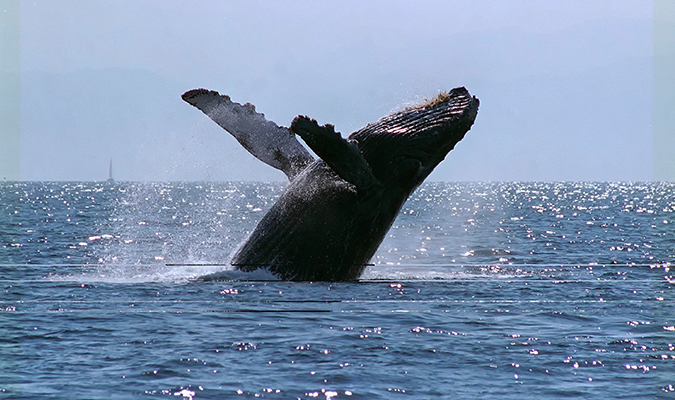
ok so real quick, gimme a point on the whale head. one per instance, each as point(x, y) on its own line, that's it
point(402, 149)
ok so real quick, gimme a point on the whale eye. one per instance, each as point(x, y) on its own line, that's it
point(407, 169)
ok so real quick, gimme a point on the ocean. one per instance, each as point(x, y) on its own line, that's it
point(480, 290)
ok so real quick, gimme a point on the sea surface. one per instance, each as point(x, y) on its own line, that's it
point(480, 290)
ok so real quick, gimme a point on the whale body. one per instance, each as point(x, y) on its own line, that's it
point(337, 209)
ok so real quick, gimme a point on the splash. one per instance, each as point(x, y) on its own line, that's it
point(168, 232)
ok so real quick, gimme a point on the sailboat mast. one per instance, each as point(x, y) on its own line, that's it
point(110, 177)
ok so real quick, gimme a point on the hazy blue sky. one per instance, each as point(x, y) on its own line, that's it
point(565, 86)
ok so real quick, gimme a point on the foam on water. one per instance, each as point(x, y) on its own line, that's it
point(135, 273)
point(440, 272)
point(163, 273)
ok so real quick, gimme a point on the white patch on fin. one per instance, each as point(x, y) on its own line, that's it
point(272, 144)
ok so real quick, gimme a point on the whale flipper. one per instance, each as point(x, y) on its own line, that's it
point(341, 155)
point(272, 144)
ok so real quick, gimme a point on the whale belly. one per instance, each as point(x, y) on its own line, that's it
point(319, 230)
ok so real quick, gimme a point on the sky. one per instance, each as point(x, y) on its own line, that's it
point(566, 88)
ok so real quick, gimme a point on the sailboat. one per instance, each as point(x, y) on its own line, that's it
point(110, 178)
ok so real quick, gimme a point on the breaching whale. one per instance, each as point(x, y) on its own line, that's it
point(337, 209)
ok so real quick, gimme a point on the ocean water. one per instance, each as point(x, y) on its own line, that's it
point(480, 290)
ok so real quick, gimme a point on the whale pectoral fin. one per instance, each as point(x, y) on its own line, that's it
point(268, 142)
point(341, 155)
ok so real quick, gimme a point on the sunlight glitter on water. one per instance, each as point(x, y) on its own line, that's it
point(491, 233)
point(513, 286)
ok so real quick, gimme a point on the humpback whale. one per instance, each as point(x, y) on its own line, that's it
point(337, 209)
